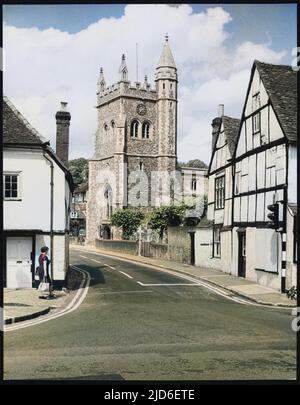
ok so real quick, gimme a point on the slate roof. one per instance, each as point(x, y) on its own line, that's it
point(16, 129)
point(280, 82)
point(231, 128)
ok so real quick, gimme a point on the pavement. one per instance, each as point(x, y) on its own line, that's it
point(238, 285)
point(24, 304)
point(143, 323)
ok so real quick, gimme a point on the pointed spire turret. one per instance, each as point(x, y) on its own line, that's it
point(166, 58)
point(123, 71)
point(101, 80)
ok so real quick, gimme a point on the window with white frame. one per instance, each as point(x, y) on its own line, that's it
point(194, 185)
point(217, 242)
point(11, 185)
point(256, 123)
point(220, 192)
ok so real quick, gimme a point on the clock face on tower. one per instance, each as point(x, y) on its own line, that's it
point(141, 109)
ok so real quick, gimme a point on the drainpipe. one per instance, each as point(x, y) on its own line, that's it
point(51, 210)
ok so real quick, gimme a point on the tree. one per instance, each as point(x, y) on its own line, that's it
point(193, 163)
point(128, 220)
point(79, 169)
point(163, 217)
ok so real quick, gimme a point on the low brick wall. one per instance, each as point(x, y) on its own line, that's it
point(123, 246)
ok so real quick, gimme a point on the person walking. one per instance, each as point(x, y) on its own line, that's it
point(43, 269)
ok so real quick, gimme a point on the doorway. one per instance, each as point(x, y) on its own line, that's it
point(242, 254)
point(192, 235)
point(19, 262)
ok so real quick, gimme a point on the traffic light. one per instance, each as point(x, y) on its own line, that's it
point(274, 215)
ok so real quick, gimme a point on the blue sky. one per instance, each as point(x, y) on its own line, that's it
point(254, 22)
point(60, 48)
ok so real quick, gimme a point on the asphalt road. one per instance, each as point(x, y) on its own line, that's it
point(144, 324)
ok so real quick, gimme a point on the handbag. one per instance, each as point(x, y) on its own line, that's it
point(44, 287)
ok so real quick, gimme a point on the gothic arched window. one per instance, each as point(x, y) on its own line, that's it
point(134, 129)
point(146, 130)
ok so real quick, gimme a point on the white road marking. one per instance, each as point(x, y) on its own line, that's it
point(111, 267)
point(126, 292)
point(96, 261)
point(166, 284)
point(176, 274)
point(125, 274)
point(74, 304)
point(85, 257)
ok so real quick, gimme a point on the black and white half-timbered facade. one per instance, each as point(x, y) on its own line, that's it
point(264, 173)
point(213, 239)
point(254, 166)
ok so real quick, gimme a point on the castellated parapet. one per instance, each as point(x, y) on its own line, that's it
point(126, 89)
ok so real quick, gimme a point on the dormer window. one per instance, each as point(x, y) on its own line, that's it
point(146, 130)
point(134, 129)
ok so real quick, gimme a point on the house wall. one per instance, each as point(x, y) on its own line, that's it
point(259, 180)
point(204, 250)
point(292, 174)
point(32, 211)
point(263, 256)
point(291, 267)
point(35, 192)
point(203, 244)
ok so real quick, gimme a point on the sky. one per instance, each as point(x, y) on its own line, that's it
point(53, 53)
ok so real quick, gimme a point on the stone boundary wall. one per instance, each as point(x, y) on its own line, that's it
point(123, 246)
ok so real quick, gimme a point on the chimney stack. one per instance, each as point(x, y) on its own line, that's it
point(216, 122)
point(63, 118)
point(221, 110)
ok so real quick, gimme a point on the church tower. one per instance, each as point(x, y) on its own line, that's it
point(166, 87)
point(136, 136)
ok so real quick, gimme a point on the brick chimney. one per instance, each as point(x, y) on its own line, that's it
point(63, 118)
point(216, 122)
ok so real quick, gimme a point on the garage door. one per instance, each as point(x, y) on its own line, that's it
point(18, 271)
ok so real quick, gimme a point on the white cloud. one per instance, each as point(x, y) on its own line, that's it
point(44, 67)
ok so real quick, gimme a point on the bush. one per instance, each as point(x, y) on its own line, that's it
point(128, 220)
point(163, 217)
